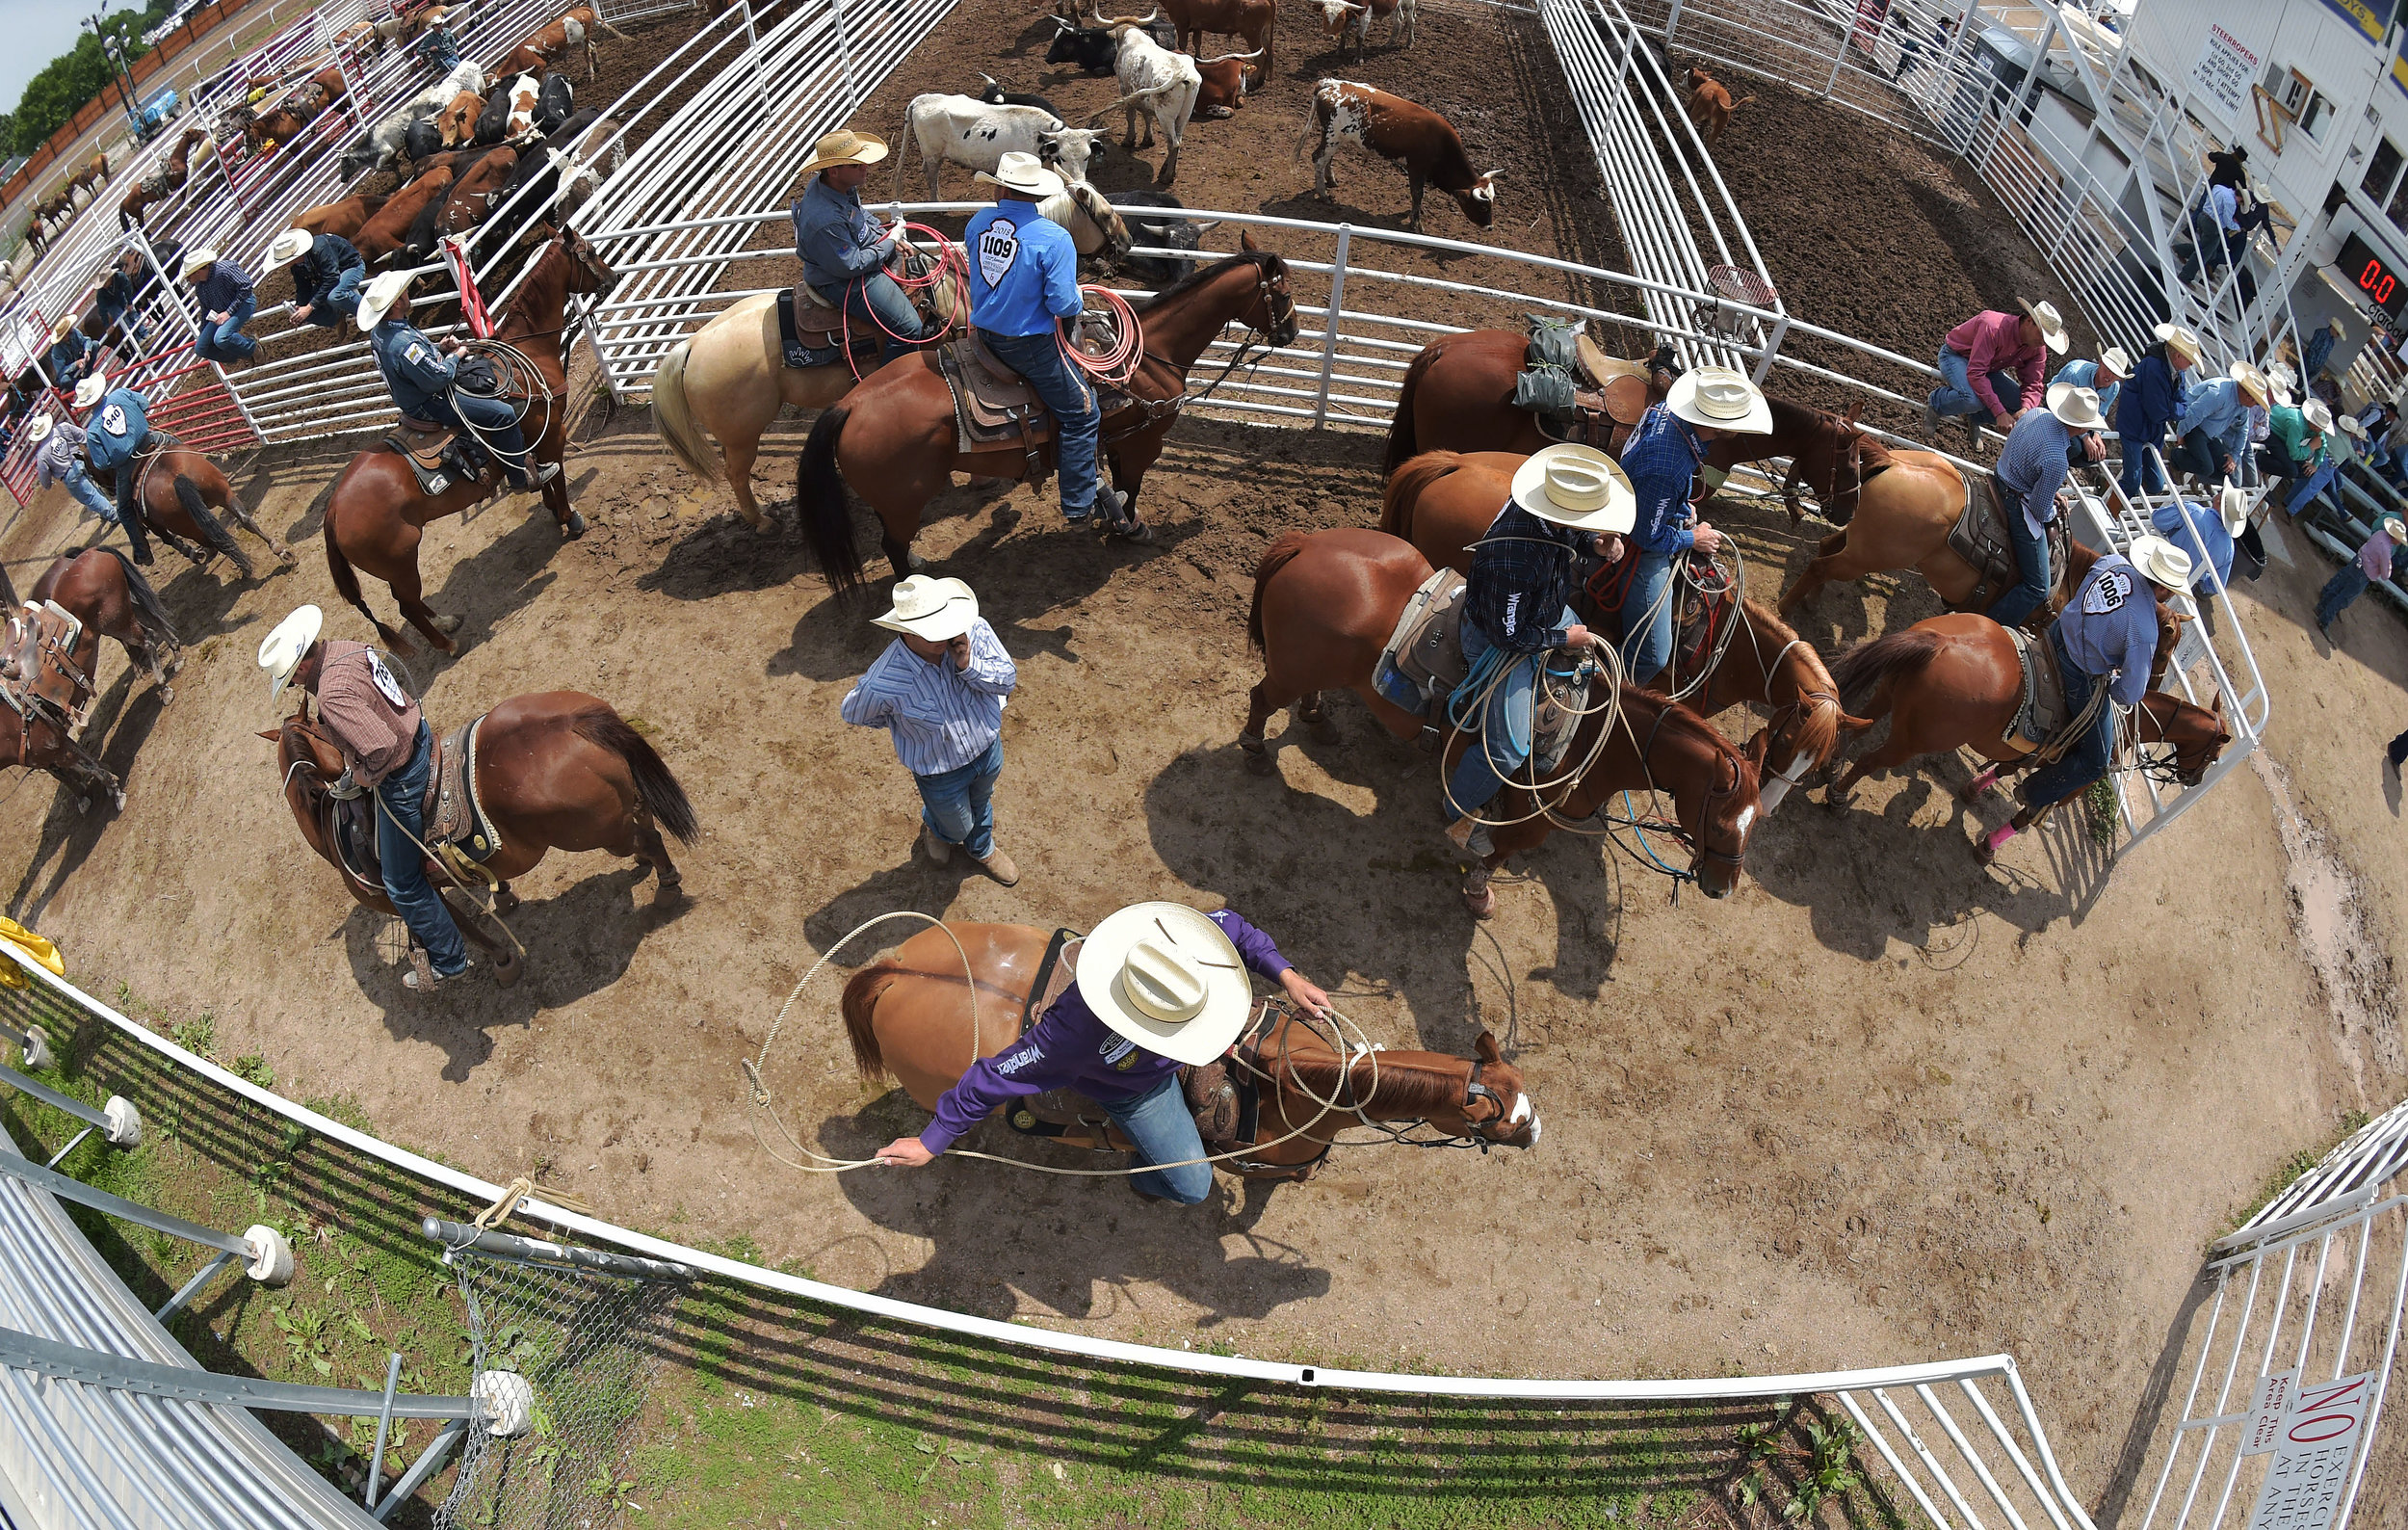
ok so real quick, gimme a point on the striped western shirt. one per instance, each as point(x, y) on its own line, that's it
point(2032, 466)
point(941, 718)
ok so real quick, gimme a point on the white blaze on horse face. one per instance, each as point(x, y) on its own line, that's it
point(1521, 1109)
point(1777, 785)
point(1747, 816)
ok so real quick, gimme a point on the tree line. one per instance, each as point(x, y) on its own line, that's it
point(66, 82)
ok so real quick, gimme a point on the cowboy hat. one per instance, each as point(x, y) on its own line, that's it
point(2319, 418)
point(2077, 407)
point(2333, 324)
point(844, 146)
point(280, 651)
point(939, 610)
point(199, 260)
point(1722, 399)
point(2160, 562)
point(1165, 977)
point(2114, 359)
point(288, 247)
point(377, 298)
point(58, 331)
point(2352, 427)
point(2392, 529)
point(40, 431)
point(1023, 173)
point(2231, 502)
point(2253, 384)
point(2179, 340)
point(91, 391)
point(1576, 485)
point(2052, 327)
point(2280, 374)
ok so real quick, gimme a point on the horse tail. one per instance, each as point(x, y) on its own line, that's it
point(857, 1005)
point(147, 608)
point(1280, 554)
point(212, 532)
point(347, 581)
point(820, 504)
point(663, 797)
point(1405, 487)
point(1401, 447)
point(672, 418)
point(1865, 667)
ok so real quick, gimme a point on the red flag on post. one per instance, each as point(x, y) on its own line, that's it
point(471, 301)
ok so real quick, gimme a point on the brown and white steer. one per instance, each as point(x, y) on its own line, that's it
point(572, 32)
point(1348, 22)
point(1417, 139)
point(1225, 83)
point(1255, 20)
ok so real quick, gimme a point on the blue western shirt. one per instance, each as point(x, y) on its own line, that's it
point(2033, 465)
point(1023, 270)
point(226, 285)
point(2110, 626)
point(941, 718)
point(2219, 408)
point(2085, 375)
point(1520, 580)
point(1662, 457)
point(115, 427)
point(835, 238)
point(2199, 530)
point(417, 372)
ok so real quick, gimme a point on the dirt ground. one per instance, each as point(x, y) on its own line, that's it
point(1881, 1105)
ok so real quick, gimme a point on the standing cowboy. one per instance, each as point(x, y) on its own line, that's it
point(424, 381)
point(388, 749)
point(1024, 279)
point(843, 251)
point(59, 456)
point(327, 270)
point(1567, 501)
point(1158, 984)
point(2044, 444)
point(2155, 402)
point(115, 297)
point(1662, 457)
point(2107, 635)
point(939, 689)
point(1989, 359)
point(2350, 581)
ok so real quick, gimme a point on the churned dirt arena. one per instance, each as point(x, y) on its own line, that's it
point(1881, 1105)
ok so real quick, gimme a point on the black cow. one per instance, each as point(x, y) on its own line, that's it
point(557, 103)
point(1093, 49)
point(996, 96)
point(1161, 233)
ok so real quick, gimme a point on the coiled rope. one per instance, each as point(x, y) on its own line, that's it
point(1117, 363)
point(949, 260)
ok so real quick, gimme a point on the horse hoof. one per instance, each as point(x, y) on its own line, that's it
point(447, 625)
point(575, 528)
point(167, 696)
point(1322, 729)
point(116, 800)
point(507, 968)
point(669, 893)
point(1251, 743)
point(1481, 902)
point(83, 805)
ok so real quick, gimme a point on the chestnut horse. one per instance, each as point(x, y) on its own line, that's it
point(1457, 396)
point(908, 1016)
point(893, 435)
point(176, 488)
point(377, 517)
point(102, 587)
point(1443, 502)
point(1955, 681)
point(1325, 603)
point(556, 770)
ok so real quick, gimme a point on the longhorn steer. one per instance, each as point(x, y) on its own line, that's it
point(457, 123)
point(1093, 49)
point(1255, 20)
point(967, 132)
point(1153, 80)
point(1417, 139)
point(1349, 23)
point(1225, 84)
point(572, 32)
point(996, 96)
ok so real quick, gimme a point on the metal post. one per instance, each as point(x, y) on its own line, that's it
point(192, 1287)
point(844, 54)
point(1839, 62)
point(752, 52)
point(1671, 22)
point(384, 1427)
point(1329, 323)
point(593, 339)
point(1772, 348)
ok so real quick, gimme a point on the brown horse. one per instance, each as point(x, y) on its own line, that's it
point(893, 435)
point(1443, 502)
point(1325, 603)
point(176, 490)
point(556, 770)
point(377, 517)
point(342, 219)
point(908, 1016)
point(1827, 454)
point(102, 587)
point(1457, 396)
point(165, 181)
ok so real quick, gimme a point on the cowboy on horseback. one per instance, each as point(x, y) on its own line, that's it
point(117, 437)
point(388, 748)
point(425, 383)
point(844, 251)
point(1160, 986)
point(2041, 448)
point(1568, 502)
point(1662, 458)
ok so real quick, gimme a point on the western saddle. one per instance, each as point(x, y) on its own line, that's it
point(39, 674)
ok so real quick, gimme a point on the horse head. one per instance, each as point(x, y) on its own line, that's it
point(1495, 1107)
point(1719, 806)
point(1804, 734)
point(1273, 308)
point(2197, 733)
point(1477, 1100)
point(589, 275)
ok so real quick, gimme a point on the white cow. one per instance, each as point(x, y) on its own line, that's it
point(967, 131)
point(1161, 84)
point(385, 140)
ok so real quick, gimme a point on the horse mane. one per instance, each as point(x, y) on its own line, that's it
point(1817, 725)
point(1416, 1088)
point(1679, 720)
point(1260, 259)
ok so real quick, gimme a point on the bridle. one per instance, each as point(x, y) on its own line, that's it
point(1700, 851)
point(1271, 293)
point(1244, 1055)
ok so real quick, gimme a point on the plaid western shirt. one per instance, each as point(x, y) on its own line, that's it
point(1662, 457)
point(1522, 580)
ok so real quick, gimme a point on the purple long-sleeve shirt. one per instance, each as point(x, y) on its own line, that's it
point(1069, 1048)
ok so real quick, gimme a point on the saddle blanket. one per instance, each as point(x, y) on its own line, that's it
point(452, 814)
point(993, 405)
point(37, 667)
point(1980, 537)
point(439, 457)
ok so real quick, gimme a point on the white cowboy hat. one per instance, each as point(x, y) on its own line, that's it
point(2351, 427)
point(2333, 324)
point(2051, 326)
point(91, 391)
point(289, 245)
point(939, 610)
point(2114, 359)
point(2231, 502)
point(844, 146)
point(2319, 418)
point(2253, 383)
point(1719, 397)
point(1579, 486)
point(2078, 406)
point(377, 298)
point(280, 651)
point(1021, 172)
point(2392, 529)
point(197, 261)
point(2179, 340)
point(40, 430)
point(2280, 374)
point(2160, 562)
point(1165, 977)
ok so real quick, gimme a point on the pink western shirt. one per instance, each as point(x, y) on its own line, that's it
point(1994, 342)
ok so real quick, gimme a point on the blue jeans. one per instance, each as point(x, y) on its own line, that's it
point(128, 320)
point(1077, 419)
point(1955, 395)
point(2347, 585)
point(959, 804)
point(2087, 760)
point(1159, 1124)
point(878, 300)
point(2207, 243)
point(405, 881)
point(79, 483)
point(2031, 562)
point(226, 342)
point(2310, 487)
point(2139, 466)
point(1647, 649)
point(341, 301)
point(496, 425)
point(1504, 726)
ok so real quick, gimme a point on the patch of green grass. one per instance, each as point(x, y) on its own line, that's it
point(2279, 1178)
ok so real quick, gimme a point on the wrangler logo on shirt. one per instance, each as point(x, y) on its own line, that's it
point(998, 248)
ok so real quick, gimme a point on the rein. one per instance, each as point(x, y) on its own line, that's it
point(1255, 335)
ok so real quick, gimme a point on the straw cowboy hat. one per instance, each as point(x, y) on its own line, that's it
point(1719, 397)
point(2392, 529)
point(2319, 418)
point(2231, 502)
point(91, 391)
point(1023, 173)
point(1579, 486)
point(280, 651)
point(2160, 562)
point(2114, 359)
point(844, 146)
point(40, 431)
point(2253, 384)
point(2179, 340)
point(377, 298)
point(939, 610)
point(198, 261)
point(289, 245)
point(58, 331)
point(2280, 374)
point(1165, 977)
point(2052, 325)
point(2077, 407)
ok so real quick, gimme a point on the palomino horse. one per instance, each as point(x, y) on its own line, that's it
point(102, 587)
point(556, 770)
point(377, 517)
point(1954, 680)
point(1325, 603)
point(1443, 502)
point(176, 489)
point(1457, 396)
point(908, 1016)
point(893, 437)
point(730, 379)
